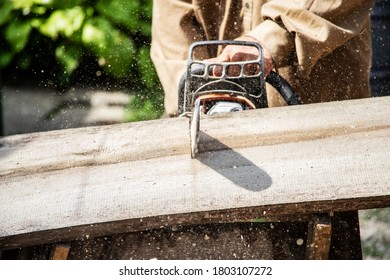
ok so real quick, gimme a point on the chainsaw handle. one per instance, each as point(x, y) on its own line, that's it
point(283, 87)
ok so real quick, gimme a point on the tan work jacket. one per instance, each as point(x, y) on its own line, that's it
point(322, 48)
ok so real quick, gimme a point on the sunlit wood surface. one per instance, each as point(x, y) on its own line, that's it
point(255, 164)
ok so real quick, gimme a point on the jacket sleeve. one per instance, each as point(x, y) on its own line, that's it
point(309, 29)
point(174, 27)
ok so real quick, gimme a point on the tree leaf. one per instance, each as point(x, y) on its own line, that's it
point(65, 22)
point(5, 58)
point(5, 11)
point(68, 56)
point(17, 34)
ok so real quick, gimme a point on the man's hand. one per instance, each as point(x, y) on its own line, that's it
point(235, 53)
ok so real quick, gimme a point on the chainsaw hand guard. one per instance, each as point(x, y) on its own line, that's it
point(199, 82)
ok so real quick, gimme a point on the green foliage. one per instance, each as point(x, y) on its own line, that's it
point(68, 56)
point(376, 234)
point(83, 40)
point(116, 51)
point(17, 33)
point(5, 11)
point(145, 106)
point(62, 23)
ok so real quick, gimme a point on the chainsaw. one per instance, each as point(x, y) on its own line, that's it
point(234, 88)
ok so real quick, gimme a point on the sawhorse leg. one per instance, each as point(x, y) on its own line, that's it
point(60, 251)
point(334, 237)
point(319, 237)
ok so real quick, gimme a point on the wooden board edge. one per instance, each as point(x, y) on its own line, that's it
point(265, 213)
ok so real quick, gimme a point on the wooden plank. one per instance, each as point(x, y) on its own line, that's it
point(63, 149)
point(56, 150)
point(271, 162)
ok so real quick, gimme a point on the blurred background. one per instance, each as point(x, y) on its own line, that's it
point(77, 63)
point(60, 58)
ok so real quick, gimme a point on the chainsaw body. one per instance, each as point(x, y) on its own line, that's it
point(242, 88)
point(238, 86)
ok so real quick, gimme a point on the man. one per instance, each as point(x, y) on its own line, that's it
point(322, 48)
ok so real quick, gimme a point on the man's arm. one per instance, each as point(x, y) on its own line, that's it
point(309, 29)
point(174, 27)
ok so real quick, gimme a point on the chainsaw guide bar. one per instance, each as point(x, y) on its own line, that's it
point(194, 129)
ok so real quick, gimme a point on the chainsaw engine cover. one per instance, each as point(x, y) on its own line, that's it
point(225, 107)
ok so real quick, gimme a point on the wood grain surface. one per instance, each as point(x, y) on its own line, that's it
point(277, 162)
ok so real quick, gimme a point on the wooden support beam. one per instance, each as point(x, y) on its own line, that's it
point(298, 160)
point(60, 251)
point(319, 237)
